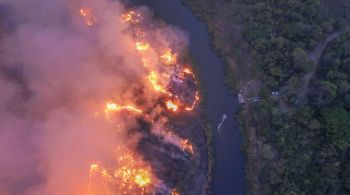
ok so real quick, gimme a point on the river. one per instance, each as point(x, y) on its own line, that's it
point(229, 178)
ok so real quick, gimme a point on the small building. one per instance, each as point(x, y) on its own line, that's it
point(241, 98)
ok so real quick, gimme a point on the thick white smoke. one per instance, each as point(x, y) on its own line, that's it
point(56, 75)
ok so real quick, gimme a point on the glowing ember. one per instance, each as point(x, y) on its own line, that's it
point(110, 107)
point(174, 192)
point(171, 106)
point(187, 71)
point(143, 178)
point(132, 173)
point(88, 17)
point(93, 168)
point(131, 17)
point(141, 46)
point(169, 137)
point(113, 107)
point(154, 79)
point(187, 146)
point(168, 57)
point(194, 103)
point(131, 176)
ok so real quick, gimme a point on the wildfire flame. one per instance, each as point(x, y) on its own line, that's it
point(142, 46)
point(187, 146)
point(93, 168)
point(174, 192)
point(131, 177)
point(88, 17)
point(142, 179)
point(183, 144)
point(112, 107)
point(171, 106)
point(154, 79)
point(131, 17)
point(169, 58)
point(187, 71)
point(194, 102)
point(131, 174)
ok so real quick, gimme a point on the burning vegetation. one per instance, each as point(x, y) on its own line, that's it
point(89, 19)
point(170, 82)
point(99, 101)
point(130, 176)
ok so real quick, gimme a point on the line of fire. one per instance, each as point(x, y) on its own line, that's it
point(168, 150)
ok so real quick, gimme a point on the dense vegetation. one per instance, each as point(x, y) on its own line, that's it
point(340, 9)
point(279, 32)
point(296, 142)
point(308, 146)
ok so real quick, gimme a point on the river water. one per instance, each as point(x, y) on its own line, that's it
point(229, 165)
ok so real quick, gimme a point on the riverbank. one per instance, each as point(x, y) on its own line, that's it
point(206, 126)
point(285, 132)
point(225, 27)
point(229, 161)
point(239, 72)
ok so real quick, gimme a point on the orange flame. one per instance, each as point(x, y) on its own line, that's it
point(168, 57)
point(88, 17)
point(112, 107)
point(154, 79)
point(194, 103)
point(183, 144)
point(143, 178)
point(131, 17)
point(93, 168)
point(132, 175)
point(174, 192)
point(142, 46)
point(187, 146)
point(187, 71)
point(171, 106)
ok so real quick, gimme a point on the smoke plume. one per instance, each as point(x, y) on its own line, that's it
point(61, 63)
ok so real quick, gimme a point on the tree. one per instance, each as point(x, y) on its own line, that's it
point(337, 123)
point(343, 87)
